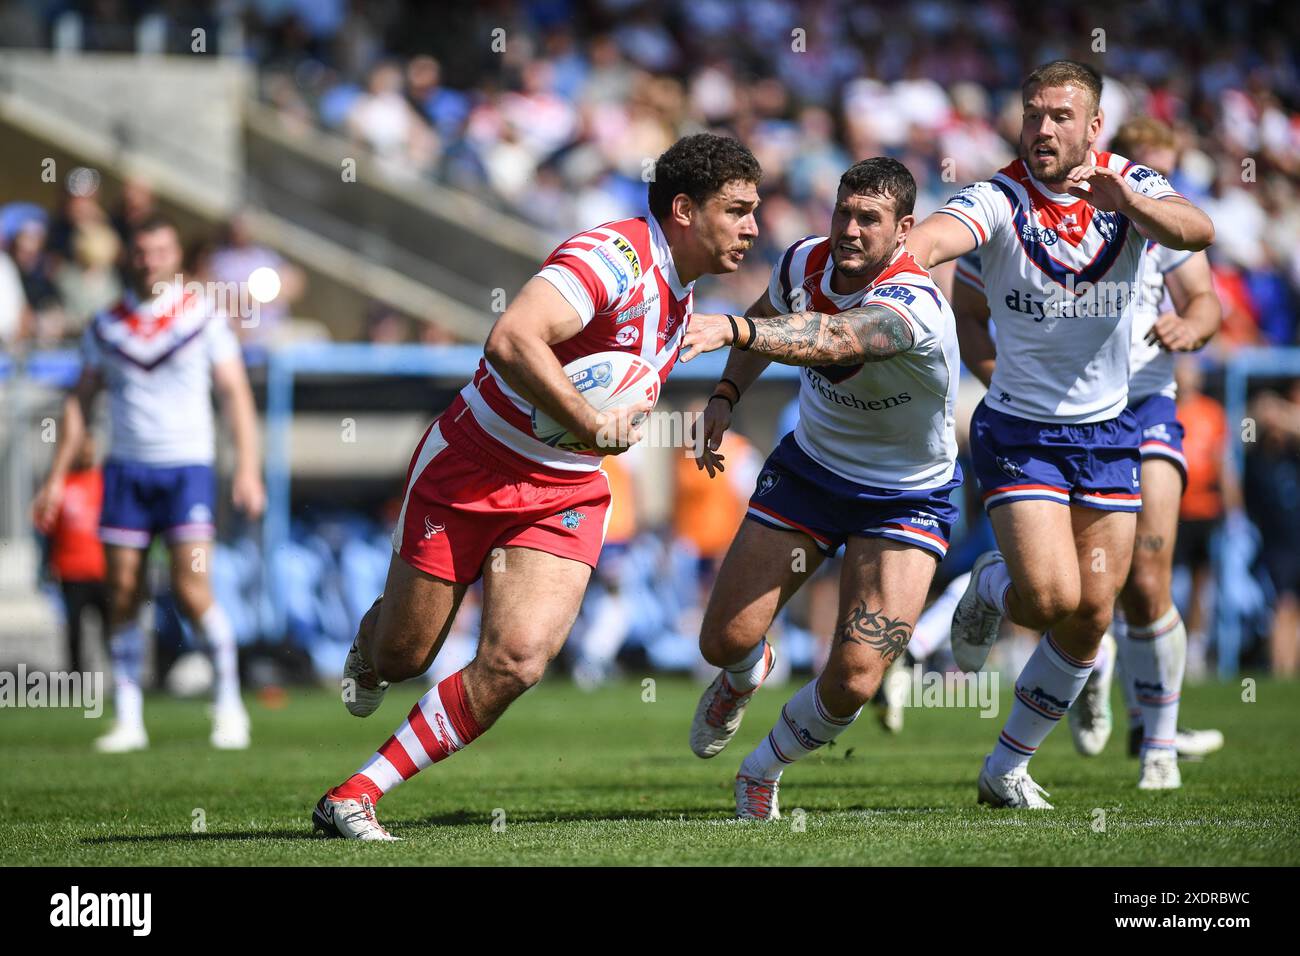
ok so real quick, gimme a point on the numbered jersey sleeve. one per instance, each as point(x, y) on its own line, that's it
point(591, 272)
point(980, 207)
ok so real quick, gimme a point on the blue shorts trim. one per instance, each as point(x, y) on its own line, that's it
point(143, 500)
point(1162, 432)
point(796, 493)
point(1095, 465)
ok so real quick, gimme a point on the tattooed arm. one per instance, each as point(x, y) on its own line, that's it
point(869, 333)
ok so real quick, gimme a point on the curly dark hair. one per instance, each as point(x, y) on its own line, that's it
point(882, 176)
point(699, 166)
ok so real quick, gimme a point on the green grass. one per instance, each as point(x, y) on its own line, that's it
point(604, 778)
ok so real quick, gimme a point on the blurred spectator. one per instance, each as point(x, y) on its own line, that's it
point(385, 326)
point(1272, 484)
point(90, 282)
point(36, 270)
point(76, 554)
point(384, 120)
point(1206, 431)
point(232, 264)
point(137, 205)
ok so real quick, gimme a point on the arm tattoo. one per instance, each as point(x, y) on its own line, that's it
point(874, 629)
point(869, 333)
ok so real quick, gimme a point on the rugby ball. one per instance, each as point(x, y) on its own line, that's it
point(606, 380)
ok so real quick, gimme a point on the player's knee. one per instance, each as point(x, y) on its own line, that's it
point(510, 674)
point(1051, 604)
point(1093, 616)
point(1146, 594)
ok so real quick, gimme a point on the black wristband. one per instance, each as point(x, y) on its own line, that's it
point(732, 384)
point(753, 332)
point(735, 333)
point(730, 404)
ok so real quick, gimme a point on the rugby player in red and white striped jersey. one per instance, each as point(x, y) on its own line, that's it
point(485, 497)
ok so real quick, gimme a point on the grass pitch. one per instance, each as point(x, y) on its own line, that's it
point(606, 778)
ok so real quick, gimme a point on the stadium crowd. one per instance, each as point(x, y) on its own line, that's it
point(552, 110)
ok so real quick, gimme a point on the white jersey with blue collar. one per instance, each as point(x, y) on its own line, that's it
point(1062, 279)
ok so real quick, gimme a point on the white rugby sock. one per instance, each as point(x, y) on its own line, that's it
point(126, 650)
point(804, 725)
point(1045, 690)
point(1156, 656)
point(746, 674)
point(1119, 627)
point(994, 584)
point(934, 628)
point(216, 631)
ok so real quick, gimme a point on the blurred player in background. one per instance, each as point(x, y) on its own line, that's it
point(1062, 233)
point(159, 353)
point(870, 466)
point(76, 553)
point(485, 497)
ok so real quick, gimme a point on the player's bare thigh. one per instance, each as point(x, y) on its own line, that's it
point(530, 601)
point(762, 570)
point(883, 586)
point(1104, 542)
point(403, 632)
point(1146, 594)
point(1037, 540)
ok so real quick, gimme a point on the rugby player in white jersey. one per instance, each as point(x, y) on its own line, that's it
point(1177, 311)
point(486, 498)
point(159, 353)
point(1062, 234)
point(870, 466)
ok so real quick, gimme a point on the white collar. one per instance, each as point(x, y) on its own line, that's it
point(663, 255)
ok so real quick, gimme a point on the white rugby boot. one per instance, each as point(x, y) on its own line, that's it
point(1197, 743)
point(363, 691)
point(1090, 717)
point(348, 818)
point(720, 711)
point(1015, 791)
point(757, 799)
point(889, 703)
point(1160, 770)
point(122, 738)
point(975, 622)
point(230, 728)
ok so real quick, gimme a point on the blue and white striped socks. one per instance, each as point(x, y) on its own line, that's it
point(804, 725)
point(1046, 688)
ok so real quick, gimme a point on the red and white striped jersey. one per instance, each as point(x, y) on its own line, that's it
point(621, 280)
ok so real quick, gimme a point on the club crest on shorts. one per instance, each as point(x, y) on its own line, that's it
point(572, 518)
point(1010, 467)
point(766, 482)
point(199, 514)
point(430, 529)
